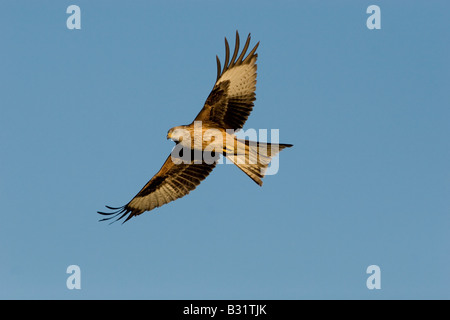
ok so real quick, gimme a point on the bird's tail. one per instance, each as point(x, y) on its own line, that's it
point(253, 157)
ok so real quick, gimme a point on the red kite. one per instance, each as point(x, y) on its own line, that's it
point(226, 109)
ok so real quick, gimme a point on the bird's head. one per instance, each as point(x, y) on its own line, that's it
point(177, 133)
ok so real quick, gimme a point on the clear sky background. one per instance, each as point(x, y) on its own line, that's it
point(83, 122)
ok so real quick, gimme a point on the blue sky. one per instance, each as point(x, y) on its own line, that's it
point(83, 123)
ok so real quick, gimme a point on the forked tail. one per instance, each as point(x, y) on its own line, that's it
point(253, 157)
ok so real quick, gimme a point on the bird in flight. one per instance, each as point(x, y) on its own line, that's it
point(199, 144)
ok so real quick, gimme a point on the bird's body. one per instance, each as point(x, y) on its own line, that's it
point(212, 133)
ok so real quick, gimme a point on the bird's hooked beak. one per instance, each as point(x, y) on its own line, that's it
point(170, 134)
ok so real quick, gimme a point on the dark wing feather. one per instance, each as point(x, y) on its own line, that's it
point(230, 102)
point(173, 181)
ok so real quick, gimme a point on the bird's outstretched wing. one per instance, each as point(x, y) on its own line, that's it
point(173, 181)
point(230, 102)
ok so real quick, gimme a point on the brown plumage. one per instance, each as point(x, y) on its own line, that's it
point(231, 100)
point(227, 108)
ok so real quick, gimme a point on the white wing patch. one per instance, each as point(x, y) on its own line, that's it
point(242, 79)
